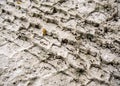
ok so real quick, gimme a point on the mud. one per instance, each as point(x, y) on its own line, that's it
point(79, 46)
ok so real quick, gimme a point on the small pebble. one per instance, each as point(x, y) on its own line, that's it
point(44, 31)
point(19, 1)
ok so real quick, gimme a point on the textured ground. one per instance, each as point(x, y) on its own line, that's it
point(81, 47)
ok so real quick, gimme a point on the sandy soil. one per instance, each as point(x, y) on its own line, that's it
point(59, 43)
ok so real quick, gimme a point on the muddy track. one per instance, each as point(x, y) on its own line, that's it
point(80, 44)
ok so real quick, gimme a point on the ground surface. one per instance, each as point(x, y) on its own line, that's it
point(81, 47)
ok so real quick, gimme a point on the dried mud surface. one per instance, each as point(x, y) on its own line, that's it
point(81, 46)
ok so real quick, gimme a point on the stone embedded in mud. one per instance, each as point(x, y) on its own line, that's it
point(3, 61)
point(108, 57)
point(97, 17)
